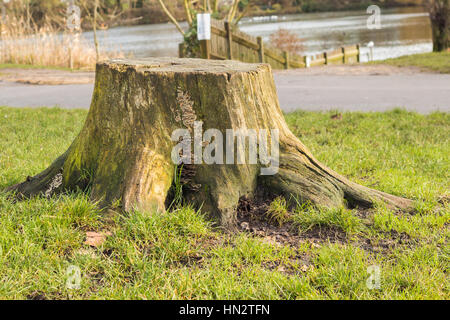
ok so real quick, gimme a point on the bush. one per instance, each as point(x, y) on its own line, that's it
point(287, 41)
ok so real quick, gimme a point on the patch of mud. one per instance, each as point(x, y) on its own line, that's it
point(296, 265)
point(251, 215)
point(392, 240)
point(191, 260)
point(36, 296)
point(97, 280)
point(46, 76)
point(203, 244)
point(444, 199)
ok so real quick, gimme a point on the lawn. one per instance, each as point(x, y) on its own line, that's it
point(432, 61)
point(328, 254)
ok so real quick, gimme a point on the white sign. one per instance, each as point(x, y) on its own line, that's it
point(204, 26)
point(308, 61)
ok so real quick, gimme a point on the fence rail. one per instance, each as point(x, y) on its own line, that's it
point(231, 44)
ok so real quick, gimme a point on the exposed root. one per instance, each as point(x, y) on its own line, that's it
point(46, 183)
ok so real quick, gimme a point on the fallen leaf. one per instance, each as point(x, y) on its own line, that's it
point(96, 239)
point(281, 268)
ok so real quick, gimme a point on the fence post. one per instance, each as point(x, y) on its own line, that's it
point(325, 56)
point(70, 58)
point(343, 55)
point(205, 49)
point(261, 49)
point(181, 50)
point(306, 61)
point(358, 57)
point(229, 40)
point(286, 60)
point(72, 40)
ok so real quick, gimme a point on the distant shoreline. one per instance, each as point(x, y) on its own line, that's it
point(141, 17)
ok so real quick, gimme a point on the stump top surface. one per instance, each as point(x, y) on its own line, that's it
point(183, 65)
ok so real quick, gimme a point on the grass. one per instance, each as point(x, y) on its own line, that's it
point(432, 61)
point(340, 218)
point(278, 211)
point(179, 255)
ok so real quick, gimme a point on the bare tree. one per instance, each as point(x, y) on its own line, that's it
point(92, 16)
point(171, 17)
point(232, 10)
point(98, 14)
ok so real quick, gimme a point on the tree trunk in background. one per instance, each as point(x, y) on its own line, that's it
point(124, 149)
point(439, 11)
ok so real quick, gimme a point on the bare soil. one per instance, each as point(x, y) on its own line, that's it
point(46, 76)
point(252, 219)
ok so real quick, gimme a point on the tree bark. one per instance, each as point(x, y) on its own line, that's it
point(439, 11)
point(123, 153)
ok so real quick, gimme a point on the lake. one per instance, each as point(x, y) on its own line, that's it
point(403, 31)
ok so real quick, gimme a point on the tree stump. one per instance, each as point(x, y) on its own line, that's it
point(124, 151)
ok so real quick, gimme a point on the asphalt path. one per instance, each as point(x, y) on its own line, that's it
point(420, 92)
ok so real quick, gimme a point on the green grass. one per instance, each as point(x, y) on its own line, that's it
point(434, 61)
point(179, 255)
point(278, 211)
point(343, 219)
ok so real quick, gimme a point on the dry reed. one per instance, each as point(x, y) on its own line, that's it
point(24, 43)
point(287, 41)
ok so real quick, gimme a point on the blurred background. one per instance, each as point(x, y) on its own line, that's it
point(36, 32)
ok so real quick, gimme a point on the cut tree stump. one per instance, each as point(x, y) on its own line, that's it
point(123, 153)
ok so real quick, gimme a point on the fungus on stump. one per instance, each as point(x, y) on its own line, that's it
point(124, 150)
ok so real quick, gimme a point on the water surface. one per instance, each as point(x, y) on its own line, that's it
point(403, 31)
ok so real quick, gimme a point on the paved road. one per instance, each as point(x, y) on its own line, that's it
point(28, 95)
point(421, 92)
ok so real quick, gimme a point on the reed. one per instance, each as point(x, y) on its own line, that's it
point(22, 42)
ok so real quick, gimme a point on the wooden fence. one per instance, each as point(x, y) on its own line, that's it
point(236, 45)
